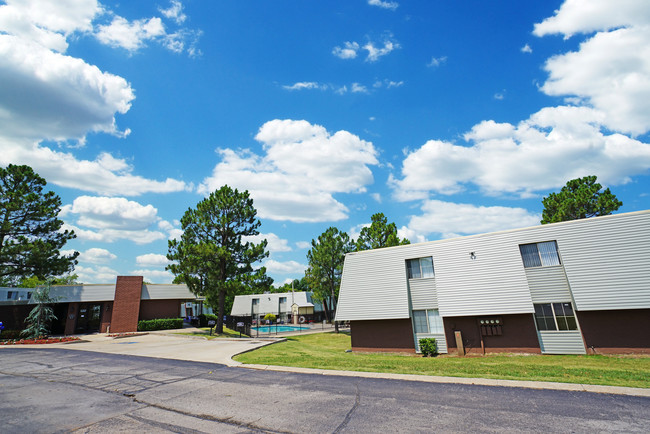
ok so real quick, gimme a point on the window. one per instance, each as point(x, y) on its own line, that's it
point(256, 301)
point(10, 295)
point(555, 316)
point(283, 300)
point(420, 268)
point(539, 254)
point(428, 321)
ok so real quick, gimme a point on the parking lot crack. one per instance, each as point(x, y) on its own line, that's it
point(348, 416)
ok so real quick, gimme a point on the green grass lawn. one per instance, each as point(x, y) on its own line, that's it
point(227, 333)
point(327, 351)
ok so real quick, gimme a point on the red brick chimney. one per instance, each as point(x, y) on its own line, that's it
point(126, 307)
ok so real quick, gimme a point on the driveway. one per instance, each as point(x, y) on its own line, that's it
point(166, 346)
point(55, 389)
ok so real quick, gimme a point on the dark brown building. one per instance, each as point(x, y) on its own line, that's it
point(114, 308)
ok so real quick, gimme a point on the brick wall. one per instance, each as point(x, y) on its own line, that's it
point(126, 306)
point(153, 309)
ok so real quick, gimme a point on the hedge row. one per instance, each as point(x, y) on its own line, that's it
point(160, 324)
point(204, 318)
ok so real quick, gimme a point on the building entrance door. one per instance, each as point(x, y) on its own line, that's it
point(89, 317)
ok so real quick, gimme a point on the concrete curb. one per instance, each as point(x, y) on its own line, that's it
point(592, 388)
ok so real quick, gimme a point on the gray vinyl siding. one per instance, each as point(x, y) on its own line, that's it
point(166, 292)
point(440, 340)
point(561, 342)
point(374, 283)
point(492, 283)
point(423, 293)
point(81, 293)
point(607, 262)
point(548, 284)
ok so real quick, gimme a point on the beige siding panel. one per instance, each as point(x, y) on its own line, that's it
point(423, 293)
point(548, 284)
point(561, 342)
point(373, 285)
point(440, 340)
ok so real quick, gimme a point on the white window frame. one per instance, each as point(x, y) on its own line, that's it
point(547, 254)
point(428, 260)
point(435, 329)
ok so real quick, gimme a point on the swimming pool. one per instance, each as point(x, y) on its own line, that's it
point(280, 328)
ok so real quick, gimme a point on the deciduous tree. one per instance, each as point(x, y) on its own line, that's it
point(580, 198)
point(326, 258)
point(211, 257)
point(30, 235)
point(379, 234)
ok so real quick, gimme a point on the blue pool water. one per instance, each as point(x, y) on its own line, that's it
point(280, 328)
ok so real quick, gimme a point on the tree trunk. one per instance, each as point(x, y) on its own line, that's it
point(325, 307)
point(222, 308)
point(336, 324)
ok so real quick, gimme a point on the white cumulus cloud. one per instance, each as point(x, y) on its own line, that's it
point(611, 69)
point(302, 85)
point(49, 95)
point(286, 267)
point(554, 145)
point(375, 52)
point(349, 50)
point(384, 4)
point(154, 276)
point(108, 219)
point(99, 274)
point(111, 212)
point(290, 181)
point(447, 220)
point(152, 260)
point(130, 35)
point(174, 12)
point(96, 256)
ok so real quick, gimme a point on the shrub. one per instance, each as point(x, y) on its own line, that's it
point(9, 334)
point(205, 317)
point(160, 324)
point(429, 347)
point(270, 317)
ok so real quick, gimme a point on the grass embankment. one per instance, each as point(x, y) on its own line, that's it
point(327, 351)
point(205, 332)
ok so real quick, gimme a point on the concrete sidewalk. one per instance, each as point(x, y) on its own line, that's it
point(167, 345)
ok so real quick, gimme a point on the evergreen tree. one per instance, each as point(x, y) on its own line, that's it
point(30, 236)
point(41, 316)
point(379, 234)
point(326, 258)
point(580, 198)
point(211, 257)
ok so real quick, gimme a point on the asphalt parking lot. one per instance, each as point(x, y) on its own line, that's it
point(63, 389)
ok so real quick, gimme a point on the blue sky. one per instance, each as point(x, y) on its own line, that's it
point(451, 118)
